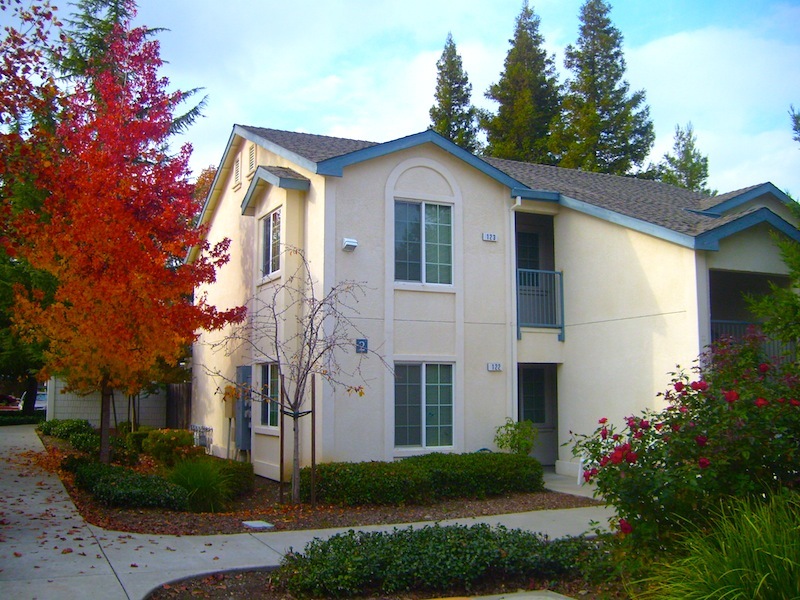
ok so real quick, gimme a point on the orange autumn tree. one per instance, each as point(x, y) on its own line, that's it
point(113, 227)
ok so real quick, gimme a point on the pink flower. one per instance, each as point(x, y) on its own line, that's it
point(701, 440)
point(645, 424)
point(625, 527)
point(761, 402)
point(731, 396)
point(603, 420)
point(703, 462)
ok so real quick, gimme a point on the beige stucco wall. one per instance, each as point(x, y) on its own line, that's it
point(631, 315)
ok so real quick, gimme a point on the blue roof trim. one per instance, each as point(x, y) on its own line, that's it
point(262, 175)
point(736, 201)
point(631, 223)
point(541, 195)
point(334, 166)
point(273, 147)
point(710, 239)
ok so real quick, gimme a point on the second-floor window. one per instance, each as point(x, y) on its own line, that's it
point(423, 242)
point(271, 243)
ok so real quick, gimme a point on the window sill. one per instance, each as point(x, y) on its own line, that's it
point(437, 288)
point(265, 279)
point(406, 451)
point(266, 430)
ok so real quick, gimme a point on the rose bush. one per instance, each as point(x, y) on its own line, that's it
point(731, 428)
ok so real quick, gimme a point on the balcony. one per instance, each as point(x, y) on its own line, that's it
point(738, 329)
point(540, 300)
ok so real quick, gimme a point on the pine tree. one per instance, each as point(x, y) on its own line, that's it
point(685, 167)
point(528, 95)
point(453, 114)
point(603, 128)
point(795, 123)
point(89, 31)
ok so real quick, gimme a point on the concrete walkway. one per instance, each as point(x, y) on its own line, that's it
point(47, 551)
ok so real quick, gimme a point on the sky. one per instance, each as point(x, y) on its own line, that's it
point(366, 69)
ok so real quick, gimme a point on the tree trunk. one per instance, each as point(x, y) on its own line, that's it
point(31, 388)
point(105, 423)
point(296, 459)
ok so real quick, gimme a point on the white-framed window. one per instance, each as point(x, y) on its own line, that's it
point(271, 243)
point(251, 159)
point(270, 395)
point(423, 242)
point(423, 405)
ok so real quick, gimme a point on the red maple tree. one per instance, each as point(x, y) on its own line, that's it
point(113, 228)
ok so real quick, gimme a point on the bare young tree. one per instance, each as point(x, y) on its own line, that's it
point(306, 333)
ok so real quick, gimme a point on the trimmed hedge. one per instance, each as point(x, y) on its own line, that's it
point(171, 446)
point(424, 479)
point(17, 418)
point(63, 429)
point(430, 559)
point(118, 486)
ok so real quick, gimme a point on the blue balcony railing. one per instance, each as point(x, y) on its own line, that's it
point(540, 300)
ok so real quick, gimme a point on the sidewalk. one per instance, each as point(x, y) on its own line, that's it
point(47, 551)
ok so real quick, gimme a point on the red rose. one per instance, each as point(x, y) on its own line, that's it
point(761, 402)
point(679, 386)
point(794, 402)
point(701, 440)
point(703, 462)
point(625, 527)
point(604, 433)
point(763, 367)
point(603, 420)
point(731, 396)
point(699, 386)
point(631, 457)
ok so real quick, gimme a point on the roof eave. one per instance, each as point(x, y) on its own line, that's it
point(710, 240)
point(263, 176)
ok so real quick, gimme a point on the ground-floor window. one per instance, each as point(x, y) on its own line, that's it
point(270, 395)
point(423, 401)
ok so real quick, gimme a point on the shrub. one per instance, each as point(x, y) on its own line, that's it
point(170, 446)
point(517, 437)
point(352, 484)
point(36, 418)
point(205, 481)
point(136, 439)
point(118, 486)
point(480, 474)
point(424, 479)
point(240, 476)
point(751, 551)
point(430, 559)
point(729, 431)
point(86, 441)
point(64, 428)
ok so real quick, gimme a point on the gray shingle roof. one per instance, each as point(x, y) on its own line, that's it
point(653, 202)
point(315, 148)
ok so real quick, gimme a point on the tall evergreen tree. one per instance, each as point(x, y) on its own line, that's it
point(89, 29)
point(528, 95)
point(453, 114)
point(685, 166)
point(795, 123)
point(603, 128)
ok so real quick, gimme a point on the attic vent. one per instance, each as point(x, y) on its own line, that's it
point(237, 172)
point(251, 159)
